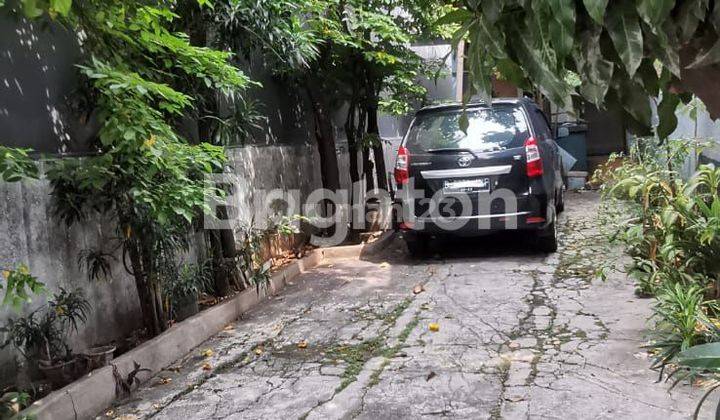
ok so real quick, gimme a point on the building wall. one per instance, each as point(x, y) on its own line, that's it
point(31, 235)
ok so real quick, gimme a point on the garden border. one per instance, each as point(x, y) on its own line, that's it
point(86, 397)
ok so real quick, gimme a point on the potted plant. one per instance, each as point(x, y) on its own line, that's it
point(42, 335)
point(99, 356)
point(185, 288)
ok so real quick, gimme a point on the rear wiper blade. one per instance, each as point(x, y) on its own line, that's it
point(451, 150)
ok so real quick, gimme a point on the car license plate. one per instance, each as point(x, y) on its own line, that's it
point(466, 185)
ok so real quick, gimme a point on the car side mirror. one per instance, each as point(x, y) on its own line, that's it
point(563, 132)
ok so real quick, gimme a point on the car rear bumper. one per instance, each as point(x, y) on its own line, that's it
point(531, 214)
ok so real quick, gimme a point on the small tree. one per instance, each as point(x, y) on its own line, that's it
point(143, 172)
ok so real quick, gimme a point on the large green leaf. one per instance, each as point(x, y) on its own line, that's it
point(547, 79)
point(491, 9)
point(595, 72)
point(31, 9)
point(488, 37)
point(635, 101)
point(562, 27)
point(480, 65)
point(708, 57)
point(456, 16)
point(509, 70)
point(666, 113)
point(663, 43)
point(537, 32)
point(596, 9)
point(62, 7)
point(691, 13)
point(647, 75)
point(703, 356)
point(654, 12)
point(624, 29)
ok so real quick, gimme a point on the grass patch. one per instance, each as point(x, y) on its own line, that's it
point(355, 356)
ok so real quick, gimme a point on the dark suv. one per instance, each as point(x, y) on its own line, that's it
point(503, 172)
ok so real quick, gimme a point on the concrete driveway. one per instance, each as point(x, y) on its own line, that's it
point(521, 335)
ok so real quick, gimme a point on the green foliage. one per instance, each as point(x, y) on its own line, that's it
point(15, 164)
point(43, 333)
point(623, 51)
point(12, 402)
point(19, 285)
point(143, 75)
point(703, 358)
point(97, 264)
point(285, 30)
point(670, 230)
point(681, 321)
point(188, 280)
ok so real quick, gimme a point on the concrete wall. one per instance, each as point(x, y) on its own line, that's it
point(31, 235)
point(39, 106)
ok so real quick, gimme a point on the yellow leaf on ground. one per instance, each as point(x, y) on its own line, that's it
point(384, 264)
point(207, 366)
point(434, 327)
point(303, 344)
point(207, 353)
point(258, 351)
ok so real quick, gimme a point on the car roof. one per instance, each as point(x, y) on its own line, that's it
point(453, 106)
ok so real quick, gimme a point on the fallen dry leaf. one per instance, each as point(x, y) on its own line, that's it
point(207, 366)
point(229, 327)
point(419, 288)
point(258, 351)
point(384, 264)
point(434, 327)
point(164, 381)
point(303, 344)
point(207, 353)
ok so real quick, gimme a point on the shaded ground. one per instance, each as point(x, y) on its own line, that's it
point(521, 335)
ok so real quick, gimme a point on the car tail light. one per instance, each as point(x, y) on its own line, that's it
point(534, 162)
point(402, 175)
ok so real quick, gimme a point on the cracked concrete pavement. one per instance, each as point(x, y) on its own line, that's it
point(521, 335)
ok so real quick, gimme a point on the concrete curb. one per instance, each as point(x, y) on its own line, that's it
point(359, 251)
point(86, 397)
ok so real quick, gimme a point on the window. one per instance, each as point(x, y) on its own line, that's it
point(489, 129)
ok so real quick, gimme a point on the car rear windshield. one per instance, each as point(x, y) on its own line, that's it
point(489, 129)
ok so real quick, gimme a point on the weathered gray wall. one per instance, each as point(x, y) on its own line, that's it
point(38, 82)
point(30, 234)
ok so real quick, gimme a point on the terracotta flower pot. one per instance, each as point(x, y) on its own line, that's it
point(186, 307)
point(98, 357)
point(59, 374)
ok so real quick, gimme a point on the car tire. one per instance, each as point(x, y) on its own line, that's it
point(560, 202)
point(547, 239)
point(417, 245)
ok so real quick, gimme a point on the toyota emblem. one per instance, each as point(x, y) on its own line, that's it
point(464, 161)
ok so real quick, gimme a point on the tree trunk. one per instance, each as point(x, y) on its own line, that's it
point(221, 242)
point(325, 138)
point(147, 294)
point(350, 133)
point(378, 151)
